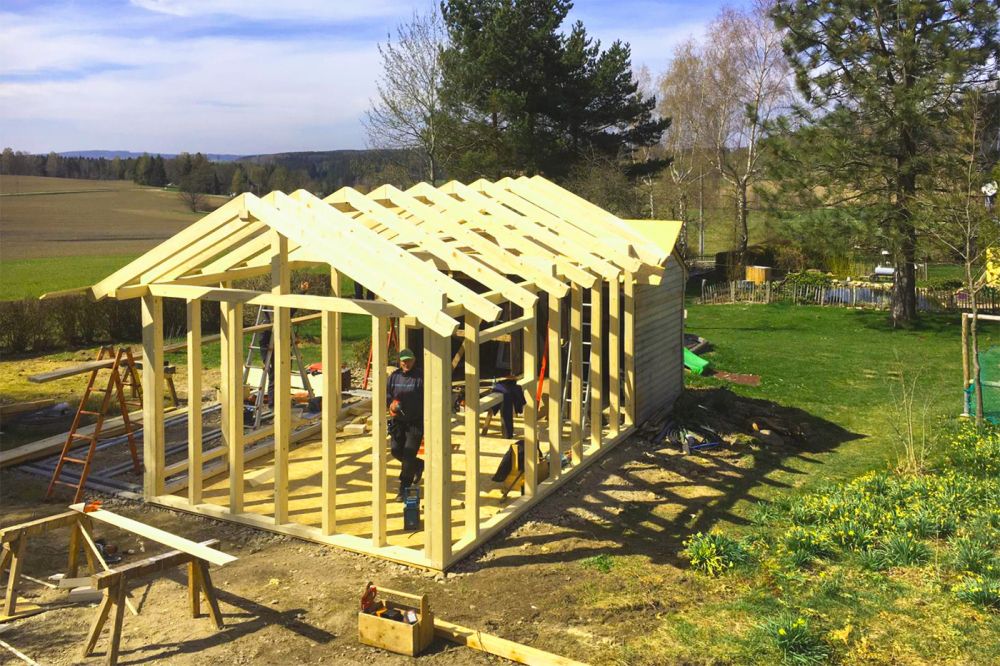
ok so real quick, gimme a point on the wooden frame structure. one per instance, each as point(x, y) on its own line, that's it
point(447, 261)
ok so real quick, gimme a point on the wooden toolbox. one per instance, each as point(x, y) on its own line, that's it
point(393, 635)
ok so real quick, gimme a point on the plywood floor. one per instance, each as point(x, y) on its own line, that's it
point(354, 501)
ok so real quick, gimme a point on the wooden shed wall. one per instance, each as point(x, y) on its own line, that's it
point(659, 341)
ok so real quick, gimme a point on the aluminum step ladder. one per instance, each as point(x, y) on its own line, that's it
point(585, 350)
point(261, 343)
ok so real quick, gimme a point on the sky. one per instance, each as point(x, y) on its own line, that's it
point(237, 76)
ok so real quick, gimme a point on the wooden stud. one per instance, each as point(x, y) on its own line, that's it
point(576, 373)
point(614, 357)
point(194, 589)
point(73, 565)
point(232, 396)
point(596, 360)
point(282, 366)
point(470, 343)
point(437, 444)
point(530, 340)
point(194, 360)
point(205, 582)
point(554, 387)
point(152, 393)
point(629, 348)
point(98, 624)
point(380, 358)
point(330, 336)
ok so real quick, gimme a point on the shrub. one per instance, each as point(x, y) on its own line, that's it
point(714, 553)
point(904, 550)
point(980, 591)
point(797, 643)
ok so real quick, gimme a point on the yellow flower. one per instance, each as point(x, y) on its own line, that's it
point(781, 632)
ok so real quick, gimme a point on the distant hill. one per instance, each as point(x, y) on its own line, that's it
point(125, 154)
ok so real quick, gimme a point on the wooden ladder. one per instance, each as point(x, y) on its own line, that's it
point(123, 373)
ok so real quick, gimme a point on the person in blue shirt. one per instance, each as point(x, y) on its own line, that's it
point(405, 401)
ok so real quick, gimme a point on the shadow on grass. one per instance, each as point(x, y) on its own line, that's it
point(645, 498)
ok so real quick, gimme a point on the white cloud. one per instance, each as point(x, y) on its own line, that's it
point(327, 10)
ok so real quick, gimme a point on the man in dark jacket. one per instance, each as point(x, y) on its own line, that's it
point(405, 401)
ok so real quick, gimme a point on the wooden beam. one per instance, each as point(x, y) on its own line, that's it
point(554, 387)
point(149, 565)
point(38, 526)
point(628, 344)
point(614, 358)
point(576, 373)
point(516, 652)
point(530, 342)
point(232, 399)
point(471, 343)
point(330, 340)
point(596, 363)
point(194, 423)
point(505, 328)
point(437, 444)
point(163, 537)
point(281, 361)
point(380, 358)
point(294, 301)
point(153, 434)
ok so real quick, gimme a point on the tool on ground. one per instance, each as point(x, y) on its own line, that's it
point(395, 626)
point(411, 508)
point(123, 374)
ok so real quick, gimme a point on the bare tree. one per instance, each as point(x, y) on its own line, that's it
point(953, 213)
point(747, 85)
point(683, 99)
point(406, 111)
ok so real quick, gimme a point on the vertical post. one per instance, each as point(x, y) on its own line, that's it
point(232, 395)
point(437, 444)
point(194, 400)
point(554, 387)
point(380, 357)
point(152, 391)
point(596, 364)
point(471, 344)
point(629, 320)
point(282, 366)
point(331, 407)
point(576, 373)
point(530, 339)
point(614, 357)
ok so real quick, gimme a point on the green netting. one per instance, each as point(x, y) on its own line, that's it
point(989, 372)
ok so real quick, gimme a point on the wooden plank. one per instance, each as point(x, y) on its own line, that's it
point(553, 387)
point(194, 429)
point(506, 328)
point(281, 361)
point(6, 411)
point(437, 444)
point(614, 358)
point(293, 301)
point(576, 373)
point(330, 341)
point(147, 566)
point(596, 367)
point(39, 526)
point(232, 398)
point(152, 393)
point(380, 358)
point(530, 355)
point(470, 343)
point(516, 652)
point(629, 348)
point(163, 537)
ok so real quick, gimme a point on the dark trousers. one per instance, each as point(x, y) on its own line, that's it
point(406, 438)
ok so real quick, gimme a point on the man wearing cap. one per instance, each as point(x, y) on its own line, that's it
point(405, 401)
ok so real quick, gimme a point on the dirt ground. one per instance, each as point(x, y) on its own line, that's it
point(286, 601)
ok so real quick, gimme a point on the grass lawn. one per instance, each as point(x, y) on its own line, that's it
point(843, 369)
point(30, 278)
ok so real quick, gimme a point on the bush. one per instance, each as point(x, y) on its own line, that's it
point(714, 553)
point(980, 591)
point(797, 643)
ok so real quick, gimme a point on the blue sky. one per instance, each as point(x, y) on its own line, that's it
point(236, 76)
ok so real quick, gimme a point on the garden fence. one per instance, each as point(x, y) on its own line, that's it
point(876, 297)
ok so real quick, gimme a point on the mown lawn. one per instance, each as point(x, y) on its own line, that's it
point(801, 598)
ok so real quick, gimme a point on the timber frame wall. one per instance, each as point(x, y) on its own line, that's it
point(517, 238)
